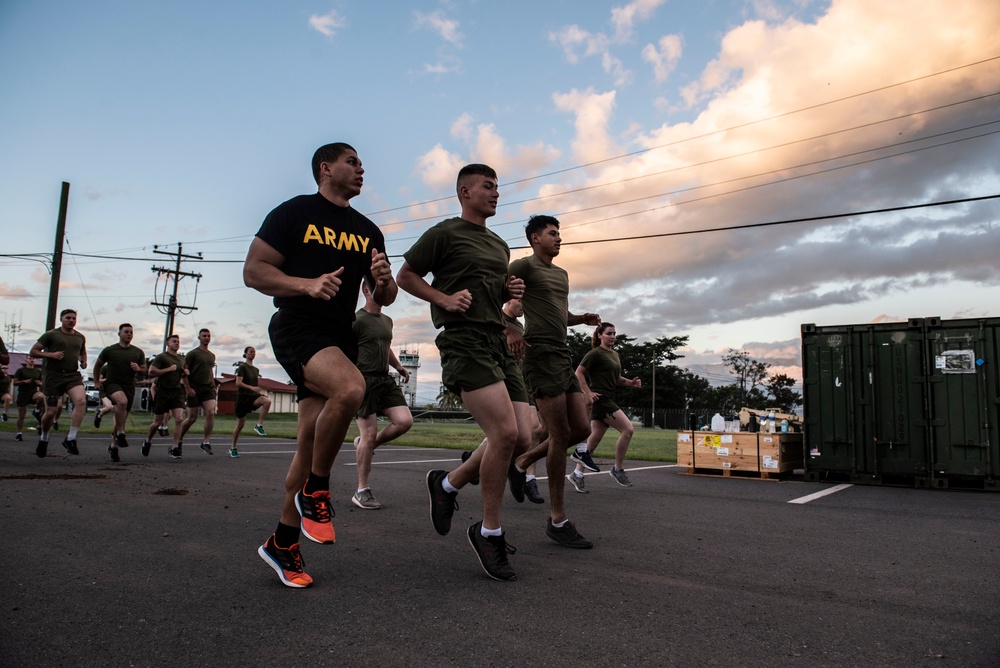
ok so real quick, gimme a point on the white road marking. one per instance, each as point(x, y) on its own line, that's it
point(819, 495)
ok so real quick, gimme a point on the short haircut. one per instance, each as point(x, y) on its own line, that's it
point(123, 326)
point(245, 351)
point(173, 336)
point(65, 311)
point(538, 223)
point(328, 153)
point(204, 329)
point(474, 169)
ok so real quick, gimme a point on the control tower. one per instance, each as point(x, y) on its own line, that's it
point(409, 357)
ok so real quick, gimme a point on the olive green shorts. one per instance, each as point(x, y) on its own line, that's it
point(167, 400)
point(548, 370)
point(381, 392)
point(604, 406)
point(201, 395)
point(476, 357)
point(58, 385)
point(111, 388)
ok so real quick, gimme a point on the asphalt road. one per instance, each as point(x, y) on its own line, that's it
point(152, 562)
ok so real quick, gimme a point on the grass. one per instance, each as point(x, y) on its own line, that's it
point(658, 445)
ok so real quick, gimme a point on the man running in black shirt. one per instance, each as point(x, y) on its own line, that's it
point(311, 254)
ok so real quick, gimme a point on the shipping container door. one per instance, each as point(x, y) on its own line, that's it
point(894, 402)
point(828, 410)
point(963, 397)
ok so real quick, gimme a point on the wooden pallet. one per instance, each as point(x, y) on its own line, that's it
point(746, 474)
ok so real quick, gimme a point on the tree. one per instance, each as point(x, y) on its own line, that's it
point(449, 401)
point(750, 374)
point(779, 388)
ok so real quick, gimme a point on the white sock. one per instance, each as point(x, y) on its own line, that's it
point(484, 532)
point(582, 447)
point(529, 477)
point(362, 489)
point(447, 486)
point(71, 436)
point(560, 525)
point(44, 436)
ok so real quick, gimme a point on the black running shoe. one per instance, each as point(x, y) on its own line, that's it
point(3, 416)
point(163, 431)
point(55, 426)
point(37, 414)
point(443, 504)
point(43, 447)
point(120, 440)
point(18, 437)
point(146, 445)
point(465, 457)
point(492, 552)
point(70, 446)
point(175, 452)
point(531, 491)
point(585, 459)
point(97, 420)
point(207, 447)
point(516, 479)
point(113, 451)
point(567, 535)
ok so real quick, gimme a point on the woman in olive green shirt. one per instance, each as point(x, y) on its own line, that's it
point(603, 368)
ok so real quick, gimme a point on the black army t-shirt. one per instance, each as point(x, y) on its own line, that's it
point(316, 237)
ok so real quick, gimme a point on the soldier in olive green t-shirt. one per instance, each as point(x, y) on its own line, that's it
point(200, 366)
point(123, 361)
point(65, 352)
point(470, 285)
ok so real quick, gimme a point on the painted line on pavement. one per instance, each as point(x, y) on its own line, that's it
point(819, 495)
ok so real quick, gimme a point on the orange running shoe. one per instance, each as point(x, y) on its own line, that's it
point(287, 563)
point(317, 515)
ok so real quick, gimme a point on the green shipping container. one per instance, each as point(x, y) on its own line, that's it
point(914, 402)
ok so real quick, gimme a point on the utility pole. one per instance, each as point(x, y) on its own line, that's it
point(171, 307)
point(50, 320)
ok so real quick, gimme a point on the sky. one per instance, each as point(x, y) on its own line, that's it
point(659, 132)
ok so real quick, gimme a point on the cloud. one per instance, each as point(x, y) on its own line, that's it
point(327, 24)
point(483, 143)
point(698, 174)
point(8, 291)
point(664, 59)
point(578, 43)
point(624, 18)
point(447, 29)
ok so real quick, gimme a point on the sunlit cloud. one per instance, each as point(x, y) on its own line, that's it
point(447, 29)
point(327, 24)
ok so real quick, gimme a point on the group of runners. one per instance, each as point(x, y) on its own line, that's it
point(313, 253)
point(182, 387)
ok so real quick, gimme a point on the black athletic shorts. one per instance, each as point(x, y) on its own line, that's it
point(297, 336)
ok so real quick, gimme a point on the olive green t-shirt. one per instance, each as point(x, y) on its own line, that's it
point(71, 345)
point(604, 368)
point(545, 301)
point(171, 380)
point(24, 373)
point(117, 360)
point(374, 334)
point(201, 368)
point(250, 375)
point(464, 256)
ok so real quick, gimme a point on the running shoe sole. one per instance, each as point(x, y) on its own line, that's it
point(278, 569)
